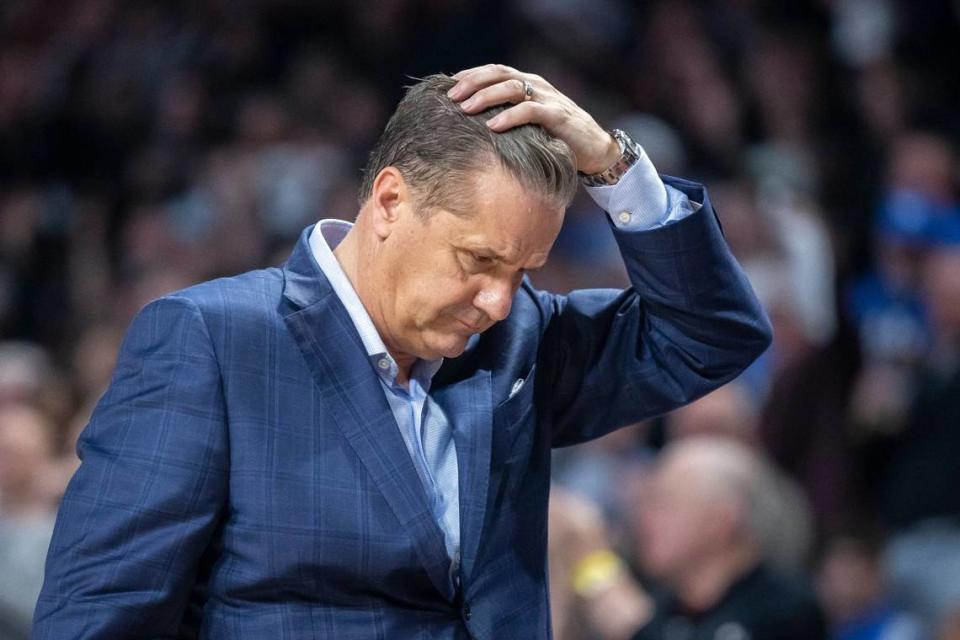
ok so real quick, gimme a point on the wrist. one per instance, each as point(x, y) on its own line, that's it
point(628, 154)
point(611, 152)
point(595, 571)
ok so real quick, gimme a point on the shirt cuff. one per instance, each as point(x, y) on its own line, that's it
point(640, 201)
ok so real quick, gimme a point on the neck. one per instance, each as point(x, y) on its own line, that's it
point(351, 258)
point(706, 583)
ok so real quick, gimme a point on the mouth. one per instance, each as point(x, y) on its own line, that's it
point(472, 328)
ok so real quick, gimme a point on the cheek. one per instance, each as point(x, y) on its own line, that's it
point(428, 285)
point(667, 532)
point(438, 292)
point(427, 296)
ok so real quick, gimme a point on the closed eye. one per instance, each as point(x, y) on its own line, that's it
point(476, 262)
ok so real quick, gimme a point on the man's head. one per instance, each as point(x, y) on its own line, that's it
point(26, 444)
point(707, 498)
point(451, 216)
point(438, 148)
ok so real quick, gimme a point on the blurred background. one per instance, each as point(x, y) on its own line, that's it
point(146, 146)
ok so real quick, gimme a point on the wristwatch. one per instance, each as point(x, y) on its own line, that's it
point(630, 152)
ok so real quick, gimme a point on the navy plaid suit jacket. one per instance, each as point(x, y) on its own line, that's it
point(243, 476)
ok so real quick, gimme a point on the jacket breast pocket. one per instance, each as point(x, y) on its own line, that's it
point(514, 421)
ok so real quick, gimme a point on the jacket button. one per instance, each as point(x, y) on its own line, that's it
point(466, 612)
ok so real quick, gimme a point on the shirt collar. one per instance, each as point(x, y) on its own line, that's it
point(324, 238)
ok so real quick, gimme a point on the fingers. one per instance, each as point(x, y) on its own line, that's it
point(486, 67)
point(480, 88)
point(524, 113)
point(472, 80)
point(512, 91)
point(483, 87)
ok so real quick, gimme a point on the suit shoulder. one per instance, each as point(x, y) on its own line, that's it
point(244, 295)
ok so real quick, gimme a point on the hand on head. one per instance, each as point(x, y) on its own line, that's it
point(535, 101)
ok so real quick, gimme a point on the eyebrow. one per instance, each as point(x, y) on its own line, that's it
point(501, 259)
point(485, 251)
point(490, 253)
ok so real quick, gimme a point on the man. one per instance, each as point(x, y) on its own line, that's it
point(357, 445)
point(26, 513)
point(708, 515)
point(703, 523)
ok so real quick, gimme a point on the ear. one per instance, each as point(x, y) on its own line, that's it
point(391, 201)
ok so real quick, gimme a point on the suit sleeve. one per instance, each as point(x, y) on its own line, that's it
point(141, 509)
point(689, 323)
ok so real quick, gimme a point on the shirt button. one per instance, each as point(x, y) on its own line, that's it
point(466, 612)
point(383, 363)
point(624, 216)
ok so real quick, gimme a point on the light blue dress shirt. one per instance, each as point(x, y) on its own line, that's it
point(639, 201)
point(424, 426)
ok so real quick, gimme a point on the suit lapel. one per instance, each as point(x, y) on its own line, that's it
point(467, 404)
point(328, 340)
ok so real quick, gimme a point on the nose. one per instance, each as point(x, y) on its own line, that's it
point(495, 299)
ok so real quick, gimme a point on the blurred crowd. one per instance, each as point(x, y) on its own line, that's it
point(146, 146)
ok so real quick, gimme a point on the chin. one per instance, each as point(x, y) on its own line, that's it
point(448, 346)
point(454, 351)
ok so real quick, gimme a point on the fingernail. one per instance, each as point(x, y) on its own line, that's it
point(493, 122)
point(454, 92)
point(468, 103)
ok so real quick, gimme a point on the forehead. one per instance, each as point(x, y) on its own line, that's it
point(677, 476)
point(505, 218)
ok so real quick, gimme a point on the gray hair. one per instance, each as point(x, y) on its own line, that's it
point(438, 148)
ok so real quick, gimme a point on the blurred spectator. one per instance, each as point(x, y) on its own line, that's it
point(590, 591)
point(886, 303)
point(730, 414)
point(702, 522)
point(854, 592)
point(26, 446)
point(702, 528)
point(27, 375)
point(26, 513)
point(919, 491)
